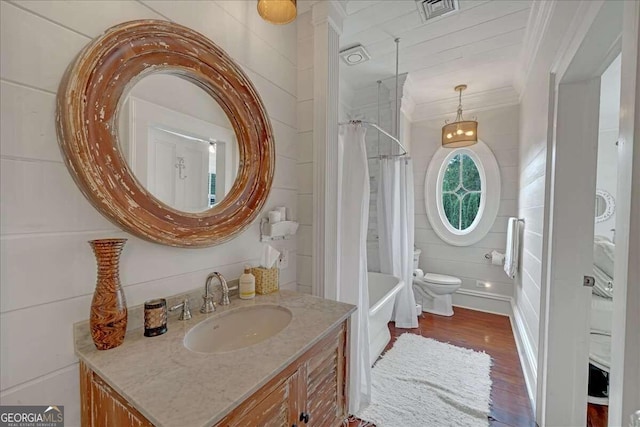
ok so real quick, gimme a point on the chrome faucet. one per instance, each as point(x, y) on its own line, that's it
point(208, 306)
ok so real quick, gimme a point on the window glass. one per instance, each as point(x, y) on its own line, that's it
point(461, 191)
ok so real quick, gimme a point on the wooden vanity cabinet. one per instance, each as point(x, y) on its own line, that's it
point(102, 406)
point(311, 392)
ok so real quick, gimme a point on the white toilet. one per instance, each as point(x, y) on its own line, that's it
point(433, 291)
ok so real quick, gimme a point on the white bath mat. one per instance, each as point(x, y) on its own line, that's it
point(422, 382)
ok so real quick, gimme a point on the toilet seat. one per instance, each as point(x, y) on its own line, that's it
point(441, 279)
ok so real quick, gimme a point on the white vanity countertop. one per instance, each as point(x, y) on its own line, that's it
point(173, 386)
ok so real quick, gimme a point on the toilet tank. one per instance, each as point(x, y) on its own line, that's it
point(416, 258)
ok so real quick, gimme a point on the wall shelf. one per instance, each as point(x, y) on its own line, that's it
point(283, 230)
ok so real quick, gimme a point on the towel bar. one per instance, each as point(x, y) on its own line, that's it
point(488, 256)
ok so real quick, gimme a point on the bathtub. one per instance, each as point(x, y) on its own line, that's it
point(383, 289)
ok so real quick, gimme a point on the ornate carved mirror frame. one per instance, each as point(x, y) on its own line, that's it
point(88, 102)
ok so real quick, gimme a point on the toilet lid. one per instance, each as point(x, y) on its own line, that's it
point(441, 279)
point(600, 351)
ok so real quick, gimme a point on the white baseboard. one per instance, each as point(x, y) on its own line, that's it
point(528, 358)
point(483, 301)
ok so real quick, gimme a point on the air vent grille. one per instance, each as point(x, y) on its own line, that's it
point(430, 9)
point(355, 55)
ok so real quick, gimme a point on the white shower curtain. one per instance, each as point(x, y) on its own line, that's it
point(353, 219)
point(395, 231)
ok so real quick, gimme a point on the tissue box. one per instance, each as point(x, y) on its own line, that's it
point(266, 279)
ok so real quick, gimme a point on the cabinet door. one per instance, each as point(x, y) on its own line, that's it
point(277, 408)
point(324, 383)
point(103, 407)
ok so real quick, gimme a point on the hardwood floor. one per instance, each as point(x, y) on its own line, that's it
point(492, 334)
point(597, 415)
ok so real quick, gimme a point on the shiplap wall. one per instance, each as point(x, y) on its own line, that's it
point(498, 128)
point(533, 163)
point(47, 268)
point(534, 126)
point(305, 151)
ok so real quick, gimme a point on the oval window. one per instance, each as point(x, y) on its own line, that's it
point(461, 191)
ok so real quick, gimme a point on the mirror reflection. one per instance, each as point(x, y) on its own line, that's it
point(178, 142)
point(605, 205)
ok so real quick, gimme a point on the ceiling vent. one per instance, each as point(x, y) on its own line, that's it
point(355, 55)
point(430, 9)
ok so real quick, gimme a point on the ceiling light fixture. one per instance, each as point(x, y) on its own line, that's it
point(278, 12)
point(460, 133)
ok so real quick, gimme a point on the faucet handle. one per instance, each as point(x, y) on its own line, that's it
point(208, 306)
point(186, 311)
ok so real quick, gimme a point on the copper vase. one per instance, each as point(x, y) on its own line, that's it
point(108, 318)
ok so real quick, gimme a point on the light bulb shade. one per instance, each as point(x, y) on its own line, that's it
point(277, 12)
point(460, 134)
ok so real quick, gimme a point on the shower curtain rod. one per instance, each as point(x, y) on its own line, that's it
point(384, 132)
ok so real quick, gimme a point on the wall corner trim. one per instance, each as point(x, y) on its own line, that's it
point(526, 354)
point(539, 17)
point(326, 102)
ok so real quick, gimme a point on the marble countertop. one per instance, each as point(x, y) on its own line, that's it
point(173, 386)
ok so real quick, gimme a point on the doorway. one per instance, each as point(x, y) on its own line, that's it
point(569, 255)
point(603, 289)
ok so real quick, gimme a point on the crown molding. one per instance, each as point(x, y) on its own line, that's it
point(305, 5)
point(584, 17)
point(366, 98)
point(332, 12)
point(539, 18)
point(479, 101)
point(390, 82)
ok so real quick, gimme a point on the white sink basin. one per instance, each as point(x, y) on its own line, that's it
point(237, 329)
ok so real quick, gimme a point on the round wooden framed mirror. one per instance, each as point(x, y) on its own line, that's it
point(103, 147)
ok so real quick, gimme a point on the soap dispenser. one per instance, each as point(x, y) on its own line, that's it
point(247, 284)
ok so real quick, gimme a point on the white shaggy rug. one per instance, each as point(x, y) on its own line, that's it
point(422, 382)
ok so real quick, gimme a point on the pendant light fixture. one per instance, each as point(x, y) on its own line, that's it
point(277, 12)
point(460, 133)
